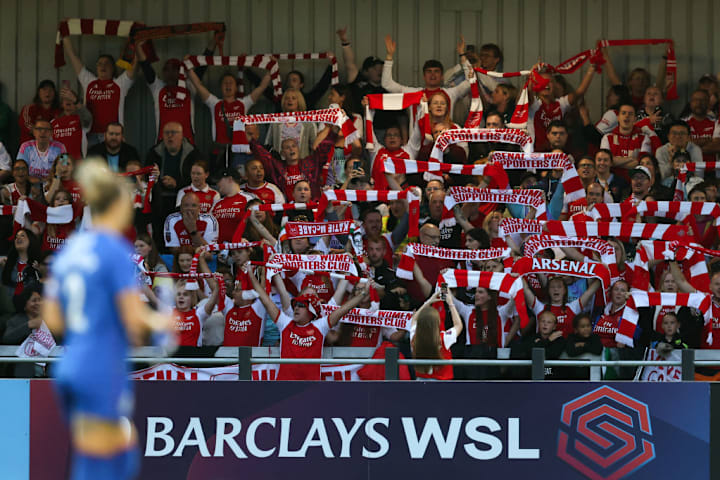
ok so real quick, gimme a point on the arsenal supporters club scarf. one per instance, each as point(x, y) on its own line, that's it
point(501, 135)
point(571, 183)
point(622, 230)
point(639, 299)
point(398, 165)
point(93, 26)
point(510, 226)
point(315, 263)
point(407, 260)
point(537, 243)
point(693, 263)
point(377, 318)
point(373, 196)
point(455, 195)
point(259, 61)
point(389, 101)
point(588, 269)
point(333, 116)
point(311, 229)
point(503, 283)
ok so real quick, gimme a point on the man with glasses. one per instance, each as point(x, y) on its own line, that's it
point(678, 140)
point(104, 94)
point(173, 159)
point(39, 153)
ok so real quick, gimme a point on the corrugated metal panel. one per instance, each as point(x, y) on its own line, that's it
point(526, 30)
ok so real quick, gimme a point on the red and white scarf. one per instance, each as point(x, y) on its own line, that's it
point(315, 263)
point(390, 101)
point(96, 26)
point(475, 115)
point(334, 78)
point(455, 195)
point(639, 299)
point(334, 116)
point(50, 215)
point(312, 229)
point(679, 210)
point(571, 183)
point(259, 61)
point(399, 165)
point(537, 243)
point(247, 288)
point(693, 263)
point(622, 230)
point(148, 189)
point(373, 196)
point(610, 211)
point(407, 260)
point(503, 283)
point(510, 226)
point(696, 167)
point(373, 318)
point(502, 135)
point(588, 269)
point(519, 117)
point(192, 277)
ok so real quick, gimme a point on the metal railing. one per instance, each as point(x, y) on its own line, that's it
point(248, 356)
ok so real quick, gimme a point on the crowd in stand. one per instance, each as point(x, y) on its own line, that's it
point(189, 203)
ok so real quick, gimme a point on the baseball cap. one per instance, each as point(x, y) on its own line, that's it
point(232, 173)
point(641, 169)
point(371, 61)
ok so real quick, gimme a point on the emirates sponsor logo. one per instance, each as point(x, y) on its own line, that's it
point(305, 342)
point(183, 326)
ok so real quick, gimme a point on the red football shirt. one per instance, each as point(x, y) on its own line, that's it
point(298, 341)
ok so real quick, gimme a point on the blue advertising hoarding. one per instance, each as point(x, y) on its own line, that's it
point(362, 430)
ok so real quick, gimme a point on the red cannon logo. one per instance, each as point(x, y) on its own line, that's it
point(605, 434)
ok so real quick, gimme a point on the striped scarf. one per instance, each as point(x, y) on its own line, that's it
point(455, 195)
point(390, 101)
point(407, 260)
point(503, 135)
point(259, 61)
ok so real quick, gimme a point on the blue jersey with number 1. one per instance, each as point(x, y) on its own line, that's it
point(88, 275)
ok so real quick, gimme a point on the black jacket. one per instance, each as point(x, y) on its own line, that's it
point(127, 152)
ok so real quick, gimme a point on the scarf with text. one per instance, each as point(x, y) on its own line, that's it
point(314, 263)
point(258, 61)
point(455, 195)
point(400, 320)
point(333, 116)
point(692, 262)
point(571, 183)
point(510, 226)
point(502, 135)
point(505, 284)
point(312, 229)
point(96, 26)
point(407, 260)
point(587, 269)
point(640, 299)
point(399, 165)
point(537, 243)
point(390, 101)
point(373, 196)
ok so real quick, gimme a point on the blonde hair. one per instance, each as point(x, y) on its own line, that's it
point(302, 106)
point(99, 185)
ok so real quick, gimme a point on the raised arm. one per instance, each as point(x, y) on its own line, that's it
point(201, 89)
point(587, 294)
point(387, 81)
point(610, 68)
point(457, 321)
point(258, 91)
point(340, 291)
point(267, 302)
point(680, 280)
point(335, 316)
point(434, 298)
point(425, 286)
point(351, 69)
point(70, 53)
point(573, 97)
point(213, 298)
